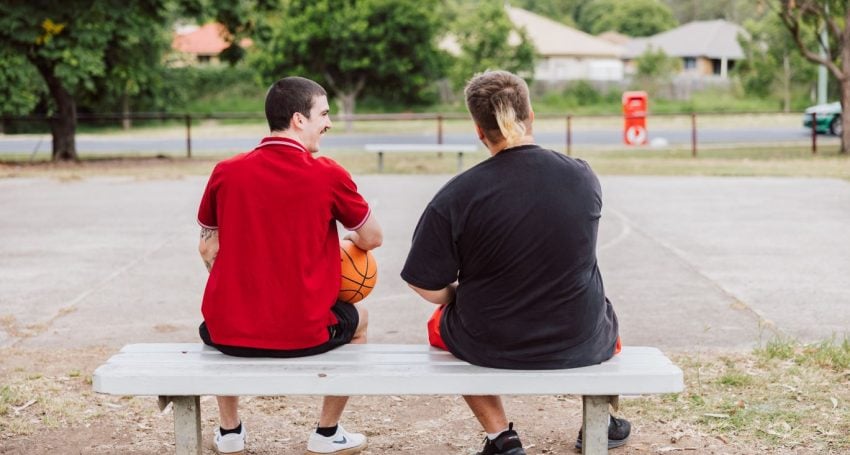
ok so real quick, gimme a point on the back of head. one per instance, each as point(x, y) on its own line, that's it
point(498, 102)
point(288, 96)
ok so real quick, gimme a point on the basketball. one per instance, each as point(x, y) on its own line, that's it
point(359, 272)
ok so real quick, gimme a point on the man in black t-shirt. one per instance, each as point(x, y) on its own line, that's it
point(507, 250)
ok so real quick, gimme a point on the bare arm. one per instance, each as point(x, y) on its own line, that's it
point(208, 246)
point(369, 236)
point(440, 297)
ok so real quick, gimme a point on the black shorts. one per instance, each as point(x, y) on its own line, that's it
point(340, 333)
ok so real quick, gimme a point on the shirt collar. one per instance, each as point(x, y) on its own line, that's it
point(284, 141)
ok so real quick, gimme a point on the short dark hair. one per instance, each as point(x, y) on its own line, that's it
point(499, 103)
point(288, 96)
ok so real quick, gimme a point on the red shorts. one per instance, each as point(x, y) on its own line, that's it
point(436, 339)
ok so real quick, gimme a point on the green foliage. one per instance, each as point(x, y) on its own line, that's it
point(385, 47)
point(654, 69)
point(772, 66)
point(488, 40)
point(559, 10)
point(18, 96)
point(632, 18)
point(736, 11)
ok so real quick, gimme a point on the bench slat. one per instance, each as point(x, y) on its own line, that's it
point(371, 369)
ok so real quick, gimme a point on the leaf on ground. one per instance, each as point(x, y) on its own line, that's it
point(834, 402)
point(20, 408)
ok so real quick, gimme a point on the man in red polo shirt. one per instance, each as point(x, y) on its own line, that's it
point(269, 239)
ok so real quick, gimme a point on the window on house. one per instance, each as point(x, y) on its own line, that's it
point(690, 63)
point(204, 58)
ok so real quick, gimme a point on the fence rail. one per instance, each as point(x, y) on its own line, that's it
point(439, 122)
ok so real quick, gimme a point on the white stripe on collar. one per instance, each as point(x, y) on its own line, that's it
point(291, 144)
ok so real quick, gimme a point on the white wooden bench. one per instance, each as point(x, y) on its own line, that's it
point(181, 373)
point(460, 149)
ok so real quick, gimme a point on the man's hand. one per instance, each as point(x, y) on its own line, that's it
point(208, 246)
point(369, 236)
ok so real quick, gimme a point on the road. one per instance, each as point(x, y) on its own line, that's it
point(175, 144)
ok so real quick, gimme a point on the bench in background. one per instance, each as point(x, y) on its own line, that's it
point(460, 149)
point(182, 372)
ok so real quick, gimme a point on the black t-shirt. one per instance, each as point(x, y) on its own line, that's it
point(518, 234)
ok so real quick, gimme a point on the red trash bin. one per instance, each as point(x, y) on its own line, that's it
point(634, 116)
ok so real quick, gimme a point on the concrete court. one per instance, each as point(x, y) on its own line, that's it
point(690, 263)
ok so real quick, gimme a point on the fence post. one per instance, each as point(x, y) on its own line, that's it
point(440, 129)
point(814, 133)
point(693, 134)
point(188, 136)
point(569, 135)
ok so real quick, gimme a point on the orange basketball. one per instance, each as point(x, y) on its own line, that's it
point(359, 272)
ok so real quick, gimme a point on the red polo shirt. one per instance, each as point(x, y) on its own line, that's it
point(277, 271)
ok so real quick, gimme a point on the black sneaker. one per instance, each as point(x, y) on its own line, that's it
point(507, 443)
point(618, 433)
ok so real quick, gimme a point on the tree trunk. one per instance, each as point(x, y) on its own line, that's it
point(786, 84)
point(63, 126)
point(126, 121)
point(346, 103)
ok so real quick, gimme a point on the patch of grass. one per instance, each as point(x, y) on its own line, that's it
point(735, 379)
point(781, 397)
point(777, 348)
point(8, 398)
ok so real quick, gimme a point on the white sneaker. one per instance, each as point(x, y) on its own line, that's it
point(231, 442)
point(341, 443)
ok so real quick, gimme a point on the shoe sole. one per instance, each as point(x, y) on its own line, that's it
point(612, 444)
point(348, 451)
point(240, 452)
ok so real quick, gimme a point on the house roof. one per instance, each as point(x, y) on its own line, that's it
point(552, 38)
point(615, 38)
point(711, 39)
point(209, 39)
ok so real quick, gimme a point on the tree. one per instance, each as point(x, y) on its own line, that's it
point(771, 63)
point(94, 47)
point(385, 47)
point(559, 10)
point(489, 40)
point(737, 11)
point(805, 19)
point(633, 18)
point(654, 69)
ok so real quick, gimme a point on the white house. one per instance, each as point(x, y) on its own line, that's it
point(707, 48)
point(565, 53)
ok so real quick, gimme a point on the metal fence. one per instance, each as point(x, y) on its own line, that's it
point(569, 132)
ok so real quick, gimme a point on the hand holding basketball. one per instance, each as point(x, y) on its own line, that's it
point(359, 272)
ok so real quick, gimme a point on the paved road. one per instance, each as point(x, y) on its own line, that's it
point(110, 144)
point(690, 263)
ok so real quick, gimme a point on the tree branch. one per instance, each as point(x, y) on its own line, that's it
point(792, 23)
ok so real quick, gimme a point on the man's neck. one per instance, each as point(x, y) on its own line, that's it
point(286, 134)
point(495, 148)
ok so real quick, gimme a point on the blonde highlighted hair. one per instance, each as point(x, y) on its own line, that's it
point(498, 102)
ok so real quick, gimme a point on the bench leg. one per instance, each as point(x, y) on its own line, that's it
point(594, 430)
point(380, 162)
point(459, 162)
point(187, 425)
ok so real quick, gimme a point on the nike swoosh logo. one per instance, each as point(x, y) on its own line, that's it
point(342, 441)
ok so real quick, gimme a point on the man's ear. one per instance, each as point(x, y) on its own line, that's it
point(297, 120)
point(480, 132)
